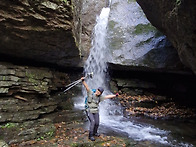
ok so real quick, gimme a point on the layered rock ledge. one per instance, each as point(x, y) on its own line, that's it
point(41, 31)
point(26, 92)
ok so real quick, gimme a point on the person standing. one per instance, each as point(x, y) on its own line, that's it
point(92, 107)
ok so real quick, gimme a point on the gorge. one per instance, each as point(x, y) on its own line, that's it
point(45, 44)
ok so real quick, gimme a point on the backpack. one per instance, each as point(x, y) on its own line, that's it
point(86, 99)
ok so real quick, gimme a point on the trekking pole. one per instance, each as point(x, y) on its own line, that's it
point(72, 85)
point(78, 81)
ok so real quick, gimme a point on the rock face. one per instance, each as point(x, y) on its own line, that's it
point(47, 31)
point(90, 10)
point(176, 19)
point(135, 43)
point(27, 96)
point(25, 92)
point(38, 30)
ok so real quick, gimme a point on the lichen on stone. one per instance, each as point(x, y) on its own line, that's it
point(144, 29)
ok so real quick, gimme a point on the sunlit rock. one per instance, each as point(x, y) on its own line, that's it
point(176, 19)
point(135, 44)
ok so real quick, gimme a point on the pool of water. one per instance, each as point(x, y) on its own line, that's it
point(156, 132)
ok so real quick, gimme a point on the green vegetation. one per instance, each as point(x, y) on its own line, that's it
point(75, 144)
point(37, 80)
point(116, 40)
point(40, 138)
point(3, 78)
point(32, 78)
point(50, 134)
point(111, 24)
point(143, 28)
point(8, 125)
point(46, 135)
point(129, 1)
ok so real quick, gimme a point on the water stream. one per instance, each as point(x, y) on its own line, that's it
point(111, 114)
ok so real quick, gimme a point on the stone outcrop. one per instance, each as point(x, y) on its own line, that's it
point(90, 10)
point(135, 44)
point(26, 92)
point(29, 130)
point(37, 33)
point(27, 96)
point(38, 30)
point(176, 19)
point(57, 32)
point(155, 106)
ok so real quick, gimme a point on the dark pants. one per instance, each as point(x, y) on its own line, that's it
point(94, 122)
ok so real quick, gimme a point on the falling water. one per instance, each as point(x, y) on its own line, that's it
point(97, 59)
point(111, 115)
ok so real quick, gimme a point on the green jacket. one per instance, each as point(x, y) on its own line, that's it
point(93, 101)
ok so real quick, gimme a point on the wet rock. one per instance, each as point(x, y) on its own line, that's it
point(15, 110)
point(176, 19)
point(3, 143)
point(135, 44)
point(113, 86)
point(131, 86)
point(72, 134)
point(157, 108)
point(160, 98)
point(90, 10)
point(29, 130)
point(134, 83)
point(132, 92)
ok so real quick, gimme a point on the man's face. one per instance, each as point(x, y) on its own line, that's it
point(98, 93)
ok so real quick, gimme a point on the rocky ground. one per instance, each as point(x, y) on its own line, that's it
point(155, 106)
point(72, 133)
point(68, 125)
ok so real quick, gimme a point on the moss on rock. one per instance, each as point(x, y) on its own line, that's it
point(144, 29)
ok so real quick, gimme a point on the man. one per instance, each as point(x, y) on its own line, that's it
point(92, 109)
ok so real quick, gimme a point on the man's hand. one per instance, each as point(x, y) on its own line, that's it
point(82, 79)
point(117, 94)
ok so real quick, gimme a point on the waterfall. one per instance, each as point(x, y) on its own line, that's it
point(111, 115)
point(97, 59)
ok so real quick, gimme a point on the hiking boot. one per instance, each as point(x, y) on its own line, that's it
point(96, 135)
point(92, 138)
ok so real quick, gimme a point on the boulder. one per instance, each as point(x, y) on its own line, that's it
point(137, 45)
point(176, 19)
